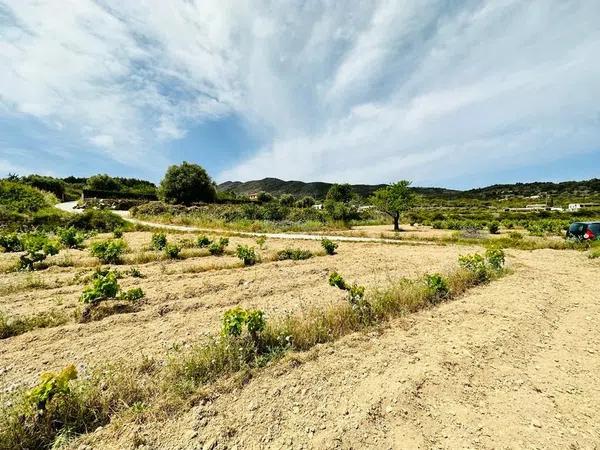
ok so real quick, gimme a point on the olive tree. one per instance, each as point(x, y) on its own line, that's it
point(394, 200)
point(186, 184)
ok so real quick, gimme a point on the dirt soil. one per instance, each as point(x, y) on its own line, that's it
point(513, 364)
point(184, 303)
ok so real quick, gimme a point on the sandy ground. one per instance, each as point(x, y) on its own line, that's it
point(184, 304)
point(514, 364)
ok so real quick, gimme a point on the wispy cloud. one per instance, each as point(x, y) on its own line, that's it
point(356, 91)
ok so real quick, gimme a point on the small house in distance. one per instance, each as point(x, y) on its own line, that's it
point(253, 196)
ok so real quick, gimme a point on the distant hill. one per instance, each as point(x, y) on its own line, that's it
point(318, 190)
point(315, 189)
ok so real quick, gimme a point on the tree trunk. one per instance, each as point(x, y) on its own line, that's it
point(396, 222)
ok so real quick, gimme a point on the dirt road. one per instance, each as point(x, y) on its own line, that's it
point(515, 364)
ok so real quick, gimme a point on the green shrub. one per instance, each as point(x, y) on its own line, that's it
point(51, 385)
point(172, 251)
point(10, 243)
point(329, 246)
point(493, 227)
point(495, 258)
point(235, 319)
point(70, 237)
point(260, 241)
point(335, 279)
point(218, 248)
point(515, 235)
point(203, 241)
point(38, 248)
point(132, 294)
point(99, 220)
point(474, 263)
point(109, 252)
point(136, 273)
point(159, 241)
point(356, 293)
point(118, 233)
point(103, 287)
point(295, 254)
point(247, 255)
point(437, 287)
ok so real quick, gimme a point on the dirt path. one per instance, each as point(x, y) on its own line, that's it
point(70, 207)
point(515, 364)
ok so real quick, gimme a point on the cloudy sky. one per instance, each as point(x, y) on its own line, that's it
point(452, 93)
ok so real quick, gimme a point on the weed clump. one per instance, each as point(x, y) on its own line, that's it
point(70, 237)
point(172, 251)
point(37, 247)
point(295, 254)
point(203, 241)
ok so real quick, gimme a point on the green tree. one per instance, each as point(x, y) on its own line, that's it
point(264, 197)
point(186, 184)
point(394, 200)
point(287, 200)
point(305, 202)
point(340, 193)
point(103, 182)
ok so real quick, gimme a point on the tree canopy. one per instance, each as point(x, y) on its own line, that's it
point(394, 200)
point(340, 193)
point(187, 183)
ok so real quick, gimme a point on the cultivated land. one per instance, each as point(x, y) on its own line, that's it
point(510, 364)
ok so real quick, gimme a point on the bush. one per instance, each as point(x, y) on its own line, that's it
point(264, 197)
point(38, 248)
point(305, 202)
point(159, 241)
point(474, 263)
point(247, 255)
point(218, 248)
point(295, 254)
point(118, 234)
point(102, 287)
point(493, 227)
point(51, 385)
point(70, 237)
point(329, 246)
point(335, 279)
point(437, 287)
point(109, 252)
point(203, 241)
point(136, 273)
point(495, 258)
point(10, 243)
point(261, 241)
point(132, 294)
point(187, 184)
point(172, 251)
point(97, 220)
point(515, 235)
point(235, 319)
point(103, 182)
point(287, 200)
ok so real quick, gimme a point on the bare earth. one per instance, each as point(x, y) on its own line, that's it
point(514, 364)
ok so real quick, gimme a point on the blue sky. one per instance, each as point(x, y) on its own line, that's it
point(446, 93)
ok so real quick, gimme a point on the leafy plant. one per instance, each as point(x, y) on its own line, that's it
point(335, 279)
point(218, 248)
point(159, 241)
point(10, 243)
point(38, 248)
point(329, 246)
point(132, 294)
point(70, 237)
point(437, 286)
point(247, 255)
point(235, 319)
point(474, 263)
point(203, 241)
point(260, 241)
point(495, 258)
point(172, 251)
point(295, 254)
point(102, 287)
point(52, 384)
point(136, 273)
point(118, 233)
point(493, 227)
point(109, 252)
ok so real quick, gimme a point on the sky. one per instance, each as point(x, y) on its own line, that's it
point(444, 93)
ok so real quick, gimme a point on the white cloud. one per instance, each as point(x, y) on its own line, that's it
point(355, 91)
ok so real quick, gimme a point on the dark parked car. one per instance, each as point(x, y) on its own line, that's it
point(584, 231)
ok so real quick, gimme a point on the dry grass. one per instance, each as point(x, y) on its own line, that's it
point(13, 326)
